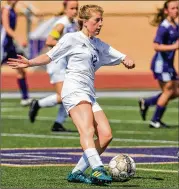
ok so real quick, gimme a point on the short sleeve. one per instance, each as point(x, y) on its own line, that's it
point(61, 49)
point(110, 56)
point(160, 36)
point(62, 21)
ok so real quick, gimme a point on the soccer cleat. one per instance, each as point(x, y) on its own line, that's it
point(143, 108)
point(26, 102)
point(164, 125)
point(58, 127)
point(158, 124)
point(34, 107)
point(78, 176)
point(99, 176)
point(155, 124)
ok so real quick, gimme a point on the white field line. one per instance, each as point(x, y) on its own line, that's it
point(11, 109)
point(135, 132)
point(157, 163)
point(109, 147)
point(5, 108)
point(118, 131)
point(118, 94)
point(41, 118)
point(133, 108)
point(62, 165)
point(105, 154)
point(37, 165)
point(9, 104)
point(158, 170)
point(77, 138)
point(30, 156)
point(21, 159)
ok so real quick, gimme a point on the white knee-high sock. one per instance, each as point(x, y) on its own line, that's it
point(93, 157)
point(62, 115)
point(48, 101)
point(82, 164)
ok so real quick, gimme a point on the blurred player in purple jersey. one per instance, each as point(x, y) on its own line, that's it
point(166, 43)
point(8, 49)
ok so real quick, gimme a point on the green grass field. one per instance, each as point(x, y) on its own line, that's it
point(129, 132)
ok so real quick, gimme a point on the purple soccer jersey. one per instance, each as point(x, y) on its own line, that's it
point(8, 49)
point(162, 62)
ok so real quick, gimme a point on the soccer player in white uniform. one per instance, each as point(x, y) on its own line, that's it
point(84, 54)
point(65, 24)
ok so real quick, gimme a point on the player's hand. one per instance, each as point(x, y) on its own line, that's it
point(128, 63)
point(20, 62)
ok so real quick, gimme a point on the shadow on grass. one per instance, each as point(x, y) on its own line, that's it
point(126, 186)
point(169, 127)
point(150, 178)
point(172, 126)
point(67, 131)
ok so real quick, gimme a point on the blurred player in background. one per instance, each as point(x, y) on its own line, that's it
point(85, 54)
point(8, 48)
point(165, 44)
point(65, 24)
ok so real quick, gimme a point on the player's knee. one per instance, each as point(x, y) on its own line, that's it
point(176, 91)
point(21, 73)
point(175, 94)
point(107, 137)
point(169, 93)
point(59, 100)
point(88, 133)
point(172, 92)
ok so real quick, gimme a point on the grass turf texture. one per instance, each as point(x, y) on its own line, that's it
point(125, 123)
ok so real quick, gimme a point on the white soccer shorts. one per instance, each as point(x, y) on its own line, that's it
point(71, 100)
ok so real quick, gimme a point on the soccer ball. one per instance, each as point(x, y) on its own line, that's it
point(122, 167)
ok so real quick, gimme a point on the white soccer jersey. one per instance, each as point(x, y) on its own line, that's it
point(57, 72)
point(84, 57)
point(69, 27)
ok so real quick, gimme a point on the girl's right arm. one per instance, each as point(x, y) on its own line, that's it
point(54, 35)
point(159, 41)
point(40, 60)
point(162, 47)
point(23, 62)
